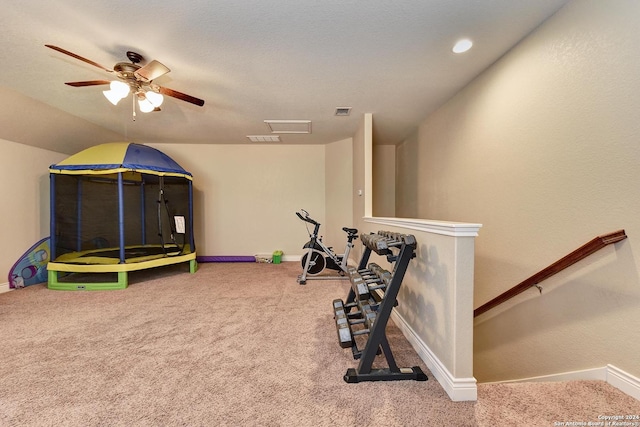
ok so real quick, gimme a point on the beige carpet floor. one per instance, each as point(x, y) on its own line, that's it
point(237, 344)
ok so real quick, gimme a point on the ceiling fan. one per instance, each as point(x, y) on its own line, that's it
point(132, 77)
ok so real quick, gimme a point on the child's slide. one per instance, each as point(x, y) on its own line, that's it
point(31, 268)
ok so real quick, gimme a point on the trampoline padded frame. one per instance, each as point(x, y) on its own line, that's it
point(54, 268)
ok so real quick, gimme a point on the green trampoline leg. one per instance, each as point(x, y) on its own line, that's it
point(52, 281)
point(193, 266)
point(123, 280)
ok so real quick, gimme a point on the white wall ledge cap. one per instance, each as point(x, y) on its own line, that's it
point(447, 228)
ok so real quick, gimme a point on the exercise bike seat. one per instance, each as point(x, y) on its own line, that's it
point(350, 230)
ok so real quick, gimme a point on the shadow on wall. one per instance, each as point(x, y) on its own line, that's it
point(424, 298)
point(407, 156)
point(199, 220)
point(44, 200)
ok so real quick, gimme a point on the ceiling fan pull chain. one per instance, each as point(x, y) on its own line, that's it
point(133, 98)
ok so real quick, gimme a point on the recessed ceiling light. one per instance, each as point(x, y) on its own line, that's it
point(264, 138)
point(462, 46)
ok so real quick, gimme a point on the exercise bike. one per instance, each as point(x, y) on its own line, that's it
point(319, 256)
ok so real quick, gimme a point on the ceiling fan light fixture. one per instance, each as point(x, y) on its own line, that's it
point(145, 105)
point(119, 88)
point(133, 77)
point(154, 98)
point(112, 96)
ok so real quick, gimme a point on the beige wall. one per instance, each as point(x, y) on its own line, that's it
point(246, 196)
point(339, 191)
point(384, 180)
point(24, 181)
point(50, 128)
point(542, 149)
point(407, 184)
point(435, 302)
point(361, 145)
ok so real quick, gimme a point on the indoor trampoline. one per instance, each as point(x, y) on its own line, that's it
point(116, 208)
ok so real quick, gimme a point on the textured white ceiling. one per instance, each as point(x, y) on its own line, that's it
point(260, 59)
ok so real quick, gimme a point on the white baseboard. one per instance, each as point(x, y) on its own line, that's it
point(623, 381)
point(458, 389)
point(4, 287)
point(618, 378)
point(298, 258)
point(285, 257)
point(585, 374)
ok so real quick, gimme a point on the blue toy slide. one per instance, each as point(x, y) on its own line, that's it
point(31, 267)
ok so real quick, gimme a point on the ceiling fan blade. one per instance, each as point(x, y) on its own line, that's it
point(88, 83)
point(151, 71)
point(73, 55)
point(181, 96)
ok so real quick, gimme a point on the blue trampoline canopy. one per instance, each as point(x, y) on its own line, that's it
point(120, 157)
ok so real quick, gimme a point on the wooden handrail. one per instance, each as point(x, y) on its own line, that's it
point(582, 252)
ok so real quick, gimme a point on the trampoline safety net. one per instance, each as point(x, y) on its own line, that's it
point(87, 214)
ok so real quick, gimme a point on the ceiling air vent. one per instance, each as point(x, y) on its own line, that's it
point(289, 126)
point(264, 138)
point(343, 111)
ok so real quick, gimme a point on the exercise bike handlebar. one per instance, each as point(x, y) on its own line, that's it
point(306, 217)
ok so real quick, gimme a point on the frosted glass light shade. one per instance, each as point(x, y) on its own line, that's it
point(145, 105)
point(154, 98)
point(112, 96)
point(117, 91)
point(119, 88)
